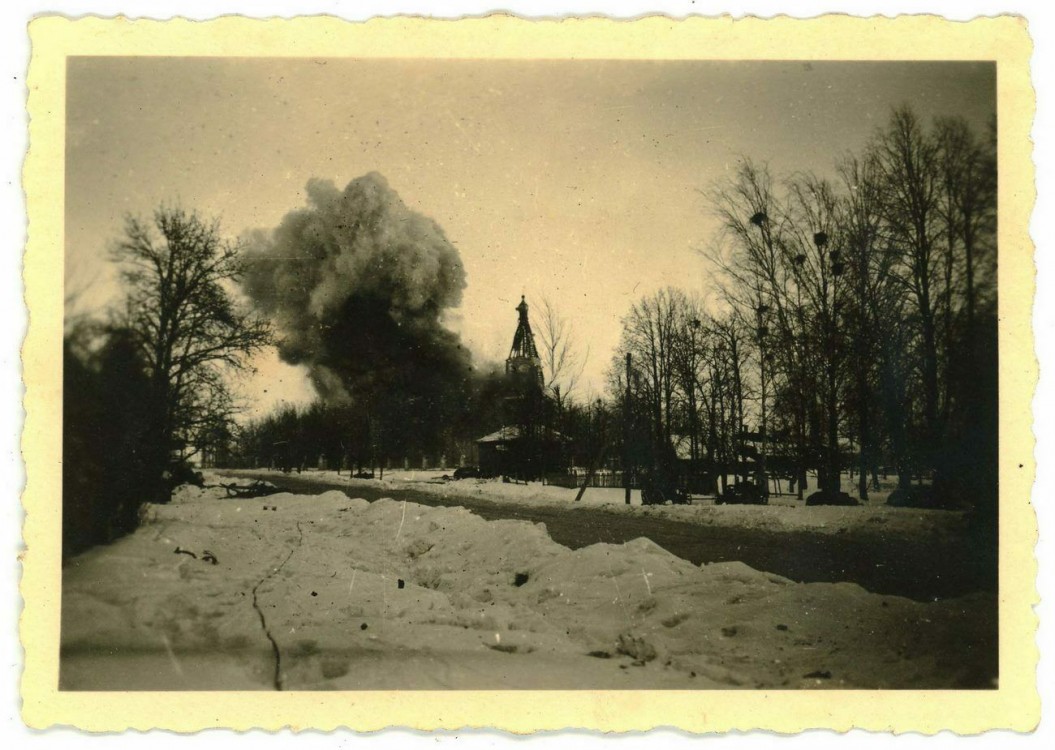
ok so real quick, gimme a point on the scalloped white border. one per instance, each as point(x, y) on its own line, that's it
point(785, 712)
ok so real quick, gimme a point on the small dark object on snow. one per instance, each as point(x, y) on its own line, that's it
point(363, 626)
point(729, 632)
point(400, 583)
point(600, 654)
point(466, 472)
point(256, 489)
point(823, 497)
point(314, 593)
point(659, 488)
point(782, 627)
point(819, 675)
point(208, 556)
point(179, 551)
point(520, 579)
point(743, 493)
point(364, 475)
point(182, 472)
point(505, 648)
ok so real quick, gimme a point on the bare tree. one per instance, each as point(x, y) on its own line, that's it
point(650, 333)
point(178, 270)
point(690, 371)
point(730, 351)
point(907, 161)
point(874, 307)
point(968, 208)
point(562, 360)
point(781, 259)
point(816, 244)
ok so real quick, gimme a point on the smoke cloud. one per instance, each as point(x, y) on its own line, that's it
point(357, 285)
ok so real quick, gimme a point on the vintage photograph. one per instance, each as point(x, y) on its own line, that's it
point(428, 374)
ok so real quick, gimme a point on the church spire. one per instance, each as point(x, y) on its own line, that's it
point(523, 356)
point(523, 340)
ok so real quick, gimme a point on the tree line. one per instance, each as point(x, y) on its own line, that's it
point(850, 322)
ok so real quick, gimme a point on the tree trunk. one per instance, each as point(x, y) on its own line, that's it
point(864, 423)
point(833, 433)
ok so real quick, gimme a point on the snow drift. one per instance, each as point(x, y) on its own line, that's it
point(327, 592)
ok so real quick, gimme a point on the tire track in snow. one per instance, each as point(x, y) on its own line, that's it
point(277, 677)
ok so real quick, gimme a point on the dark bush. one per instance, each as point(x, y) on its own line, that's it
point(743, 493)
point(944, 498)
point(827, 497)
point(181, 472)
point(105, 465)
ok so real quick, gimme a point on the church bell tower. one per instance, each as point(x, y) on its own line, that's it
point(523, 362)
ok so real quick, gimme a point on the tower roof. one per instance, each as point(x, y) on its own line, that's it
point(523, 339)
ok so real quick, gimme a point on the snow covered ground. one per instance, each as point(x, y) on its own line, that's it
point(784, 513)
point(327, 592)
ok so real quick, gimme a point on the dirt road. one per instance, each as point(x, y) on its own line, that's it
point(881, 564)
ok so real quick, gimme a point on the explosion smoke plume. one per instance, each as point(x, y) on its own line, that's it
point(357, 285)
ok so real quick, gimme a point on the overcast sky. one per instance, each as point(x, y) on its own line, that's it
point(574, 180)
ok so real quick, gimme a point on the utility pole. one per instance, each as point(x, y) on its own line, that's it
point(626, 434)
point(836, 267)
point(763, 331)
point(694, 422)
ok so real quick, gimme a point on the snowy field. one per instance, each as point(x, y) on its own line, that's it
point(327, 592)
point(784, 513)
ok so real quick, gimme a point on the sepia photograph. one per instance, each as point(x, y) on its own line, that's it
point(582, 375)
point(420, 374)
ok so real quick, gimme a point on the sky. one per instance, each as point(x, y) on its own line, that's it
point(578, 181)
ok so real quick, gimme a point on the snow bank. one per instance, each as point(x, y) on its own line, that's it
point(327, 592)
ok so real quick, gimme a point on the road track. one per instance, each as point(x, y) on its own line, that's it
point(881, 564)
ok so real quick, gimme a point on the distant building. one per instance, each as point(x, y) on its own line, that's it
point(525, 447)
point(505, 452)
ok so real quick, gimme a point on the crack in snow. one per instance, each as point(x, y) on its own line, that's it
point(172, 655)
point(618, 593)
point(277, 678)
